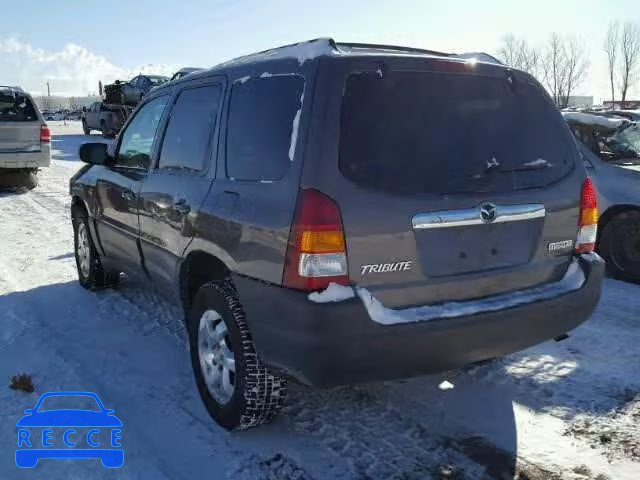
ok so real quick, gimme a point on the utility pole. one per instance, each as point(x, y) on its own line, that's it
point(48, 90)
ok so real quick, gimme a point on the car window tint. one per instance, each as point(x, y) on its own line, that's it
point(446, 133)
point(264, 114)
point(137, 139)
point(16, 107)
point(187, 139)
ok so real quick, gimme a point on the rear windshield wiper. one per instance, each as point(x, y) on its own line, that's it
point(530, 166)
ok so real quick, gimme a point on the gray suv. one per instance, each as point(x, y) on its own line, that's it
point(25, 139)
point(339, 213)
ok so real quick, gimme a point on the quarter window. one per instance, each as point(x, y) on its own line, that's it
point(137, 139)
point(188, 136)
point(264, 115)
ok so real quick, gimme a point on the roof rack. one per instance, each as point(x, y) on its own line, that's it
point(12, 87)
point(395, 48)
point(480, 56)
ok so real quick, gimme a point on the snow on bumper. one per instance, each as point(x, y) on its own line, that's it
point(336, 342)
point(573, 279)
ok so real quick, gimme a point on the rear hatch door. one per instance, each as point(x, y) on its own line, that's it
point(452, 185)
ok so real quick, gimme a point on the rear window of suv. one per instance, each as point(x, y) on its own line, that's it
point(438, 133)
point(16, 107)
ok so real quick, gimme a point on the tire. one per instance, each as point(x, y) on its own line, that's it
point(85, 128)
point(620, 246)
point(91, 274)
point(19, 180)
point(103, 128)
point(257, 395)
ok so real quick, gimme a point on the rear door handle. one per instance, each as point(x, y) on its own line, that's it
point(181, 207)
point(127, 194)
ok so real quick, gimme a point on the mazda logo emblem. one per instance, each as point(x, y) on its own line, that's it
point(488, 212)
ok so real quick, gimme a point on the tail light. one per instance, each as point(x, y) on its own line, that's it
point(316, 253)
point(45, 134)
point(588, 226)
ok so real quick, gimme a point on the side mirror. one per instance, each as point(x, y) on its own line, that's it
point(93, 153)
point(84, 109)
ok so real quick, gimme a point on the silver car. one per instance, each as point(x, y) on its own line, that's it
point(25, 138)
point(615, 170)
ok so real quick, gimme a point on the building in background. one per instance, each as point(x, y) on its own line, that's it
point(578, 101)
point(56, 102)
point(619, 105)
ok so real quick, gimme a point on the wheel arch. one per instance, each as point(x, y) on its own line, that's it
point(78, 204)
point(611, 213)
point(197, 268)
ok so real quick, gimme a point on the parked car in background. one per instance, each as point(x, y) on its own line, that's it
point(616, 174)
point(132, 92)
point(74, 115)
point(54, 116)
point(415, 223)
point(106, 118)
point(184, 71)
point(633, 115)
point(25, 139)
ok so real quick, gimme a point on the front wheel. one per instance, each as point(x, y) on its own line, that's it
point(91, 274)
point(104, 129)
point(236, 387)
point(620, 246)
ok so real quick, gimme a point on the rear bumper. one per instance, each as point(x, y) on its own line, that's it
point(26, 159)
point(338, 343)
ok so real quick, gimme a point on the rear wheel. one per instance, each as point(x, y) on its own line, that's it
point(620, 246)
point(91, 274)
point(104, 129)
point(236, 387)
point(85, 128)
point(18, 180)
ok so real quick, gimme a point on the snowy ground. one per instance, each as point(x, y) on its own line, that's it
point(568, 410)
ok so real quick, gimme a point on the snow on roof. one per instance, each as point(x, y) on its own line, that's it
point(590, 119)
point(302, 51)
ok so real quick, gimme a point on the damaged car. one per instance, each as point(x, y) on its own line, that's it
point(333, 213)
point(611, 150)
point(132, 92)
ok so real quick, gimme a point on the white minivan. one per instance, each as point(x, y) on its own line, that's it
point(25, 138)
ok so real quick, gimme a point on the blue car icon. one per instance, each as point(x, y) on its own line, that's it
point(29, 451)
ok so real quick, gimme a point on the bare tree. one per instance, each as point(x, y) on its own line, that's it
point(630, 56)
point(576, 67)
point(509, 51)
point(611, 46)
point(552, 64)
point(565, 66)
point(517, 53)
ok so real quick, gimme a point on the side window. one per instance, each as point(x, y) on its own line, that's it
point(137, 139)
point(262, 128)
point(187, 139)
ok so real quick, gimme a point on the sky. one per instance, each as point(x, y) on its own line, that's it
point(74, 43)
